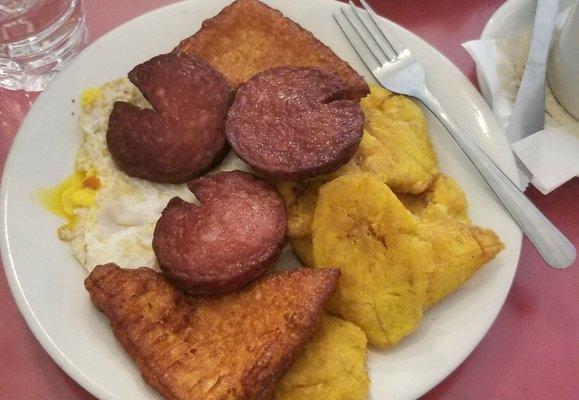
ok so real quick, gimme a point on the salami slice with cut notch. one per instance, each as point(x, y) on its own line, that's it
point(235, 235)
point(183, 135)
point(294, 123)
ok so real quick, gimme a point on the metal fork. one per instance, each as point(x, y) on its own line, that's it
point(394, 66)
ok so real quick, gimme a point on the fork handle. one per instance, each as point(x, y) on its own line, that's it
point(554, 247)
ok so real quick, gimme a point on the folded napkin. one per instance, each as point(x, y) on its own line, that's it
point(549, 157)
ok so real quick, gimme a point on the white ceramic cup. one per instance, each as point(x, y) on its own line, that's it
point(563, 69)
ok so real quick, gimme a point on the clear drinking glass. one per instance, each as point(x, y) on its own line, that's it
point(37, 38)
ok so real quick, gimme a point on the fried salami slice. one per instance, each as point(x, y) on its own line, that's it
point(182, 136)
point(294, 123)
point(234, 236)
point(231, 347)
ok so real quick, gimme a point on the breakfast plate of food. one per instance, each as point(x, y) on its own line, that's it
point(216, 201)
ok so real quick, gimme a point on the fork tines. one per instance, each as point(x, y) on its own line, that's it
point(373, 42)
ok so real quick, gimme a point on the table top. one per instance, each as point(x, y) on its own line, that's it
point(531, 351)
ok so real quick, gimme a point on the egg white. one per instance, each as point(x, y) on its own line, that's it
point(119, 226)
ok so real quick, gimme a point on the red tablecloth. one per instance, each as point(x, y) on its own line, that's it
point(532, 350)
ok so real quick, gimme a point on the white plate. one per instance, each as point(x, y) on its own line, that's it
point(509, 20)
point(47, 282)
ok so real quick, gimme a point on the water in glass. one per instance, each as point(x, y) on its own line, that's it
point(37, 37)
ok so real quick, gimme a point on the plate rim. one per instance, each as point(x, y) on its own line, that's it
point(25, 308)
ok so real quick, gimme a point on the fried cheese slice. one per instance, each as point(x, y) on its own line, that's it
point(332, 366)
point(236, 346)
point(362, 228)
point(248, 37)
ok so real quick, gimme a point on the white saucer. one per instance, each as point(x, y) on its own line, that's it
point(510, 19)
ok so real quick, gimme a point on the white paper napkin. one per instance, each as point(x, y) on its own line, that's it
point(551, 155)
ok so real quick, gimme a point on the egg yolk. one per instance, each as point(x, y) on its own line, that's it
point(88, 96)
point(78, 190)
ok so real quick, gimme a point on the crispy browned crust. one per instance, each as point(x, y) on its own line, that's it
point(235, 346)
point(248, 37)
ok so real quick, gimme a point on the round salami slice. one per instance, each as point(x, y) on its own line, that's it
point(294, 123)
point(231, 238)
point(183, 135)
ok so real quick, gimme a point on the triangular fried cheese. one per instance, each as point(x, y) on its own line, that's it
point(248, 37)
point(236, 346)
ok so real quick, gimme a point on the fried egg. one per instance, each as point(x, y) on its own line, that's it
point(114, 220)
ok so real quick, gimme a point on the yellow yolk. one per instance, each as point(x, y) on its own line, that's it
point(78, 190)
point(89, 95)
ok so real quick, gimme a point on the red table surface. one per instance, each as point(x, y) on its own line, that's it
point(532, 349)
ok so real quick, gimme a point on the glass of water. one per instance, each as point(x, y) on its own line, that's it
point(37, 38)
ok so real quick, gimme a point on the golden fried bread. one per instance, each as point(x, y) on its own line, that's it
point(248, 37)
point(332, 366)
point(235, 346)
point(362, 228)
